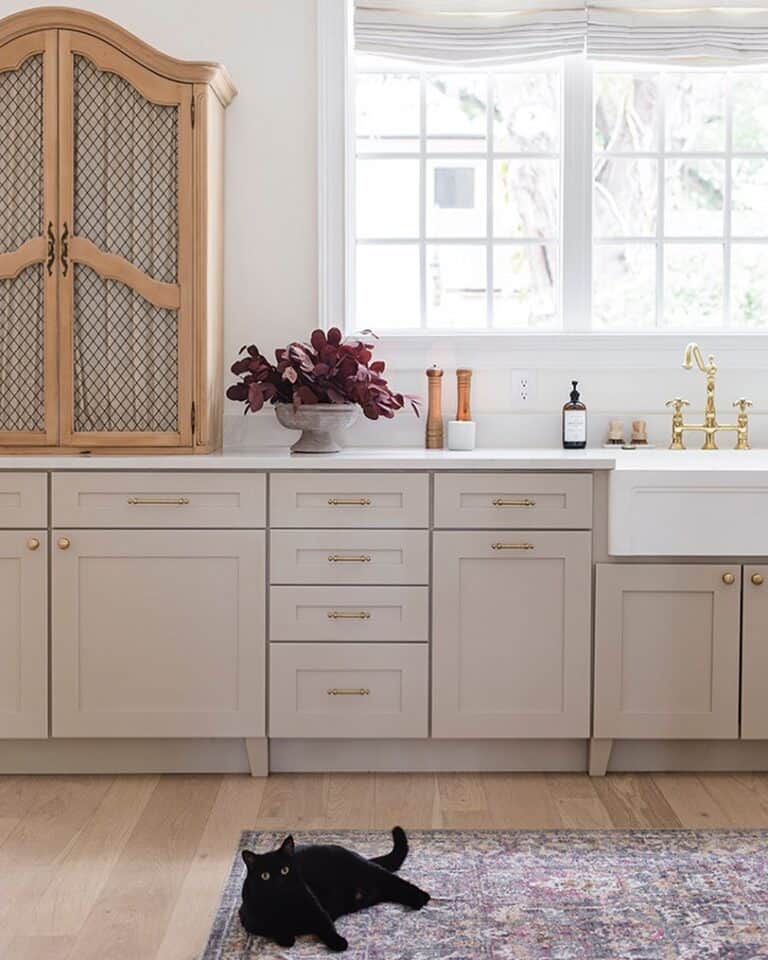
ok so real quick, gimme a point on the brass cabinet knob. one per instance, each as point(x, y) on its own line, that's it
point(757, 579)
point(729, 578)
point(33, 543)
point(63, 543)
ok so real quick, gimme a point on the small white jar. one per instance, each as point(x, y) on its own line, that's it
point(461, 435)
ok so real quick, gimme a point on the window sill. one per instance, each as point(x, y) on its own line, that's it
point(556, 349)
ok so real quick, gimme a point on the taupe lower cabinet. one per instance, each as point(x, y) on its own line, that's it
point(110, 238)
point(511, 634)
point(754, 654)
point(158, 633)
point(23, 634)
point(667, 651)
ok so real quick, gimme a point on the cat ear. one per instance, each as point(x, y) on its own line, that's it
point(249, 858)
point(287, 846)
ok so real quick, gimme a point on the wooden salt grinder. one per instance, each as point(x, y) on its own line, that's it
point(463, 381)
point(434, 411)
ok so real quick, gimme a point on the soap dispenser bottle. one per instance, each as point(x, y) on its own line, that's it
point(574, 421)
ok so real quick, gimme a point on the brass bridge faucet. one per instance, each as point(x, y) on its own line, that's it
point(710, 428)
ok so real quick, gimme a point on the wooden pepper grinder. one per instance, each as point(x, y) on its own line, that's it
point(463, 382)
point(434, 410)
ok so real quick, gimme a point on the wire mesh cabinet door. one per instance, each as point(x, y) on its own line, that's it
point(28, 138)
point(125, 249)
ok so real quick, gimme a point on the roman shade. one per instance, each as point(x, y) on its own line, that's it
point(470, 32)
point(678, 31)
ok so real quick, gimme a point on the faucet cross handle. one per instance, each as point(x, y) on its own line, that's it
point(678, 403)
point(742, 403)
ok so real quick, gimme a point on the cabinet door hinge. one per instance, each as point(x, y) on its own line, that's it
point(192, 110)
point(194, 418)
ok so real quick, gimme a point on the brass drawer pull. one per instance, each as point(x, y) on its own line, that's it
point(341, 615)
point(349, 502)
point(512, 546)
point(348, 692)
point(333, 558)
point(171, 502)
point(501, 502)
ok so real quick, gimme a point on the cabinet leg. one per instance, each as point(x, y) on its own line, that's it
point(258, 756)
point(599, 755)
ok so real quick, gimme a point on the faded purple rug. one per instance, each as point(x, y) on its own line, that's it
point(560, 895)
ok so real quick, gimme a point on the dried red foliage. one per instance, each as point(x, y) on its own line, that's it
point(326, 370)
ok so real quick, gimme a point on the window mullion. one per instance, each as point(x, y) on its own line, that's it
point(489, 183)
point(727, 226)
point(423, 198)
point(660, 186)
point(575, 254)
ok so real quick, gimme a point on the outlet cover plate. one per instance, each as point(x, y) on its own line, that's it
point(524, 389)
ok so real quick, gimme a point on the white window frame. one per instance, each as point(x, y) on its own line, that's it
point(566, 348)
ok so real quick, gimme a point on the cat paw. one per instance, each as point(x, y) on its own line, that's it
point(338, 945)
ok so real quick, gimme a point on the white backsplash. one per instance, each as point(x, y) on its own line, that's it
point(626, 394)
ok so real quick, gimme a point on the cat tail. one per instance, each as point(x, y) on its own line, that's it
point(393, 860)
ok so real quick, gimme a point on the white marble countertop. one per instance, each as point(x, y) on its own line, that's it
point(353, 458)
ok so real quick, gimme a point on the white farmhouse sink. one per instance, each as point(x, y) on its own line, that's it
point(689, 503)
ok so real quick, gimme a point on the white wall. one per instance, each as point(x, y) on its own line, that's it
point(269, 47)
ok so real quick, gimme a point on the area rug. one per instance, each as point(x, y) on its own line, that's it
point(560, 895)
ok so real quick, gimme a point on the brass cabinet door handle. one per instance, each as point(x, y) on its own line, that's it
point(512, 546)
point(334, 558)
point(349, 502)
point(351, 615)
point(501, 502)
point(33, 543)
point(348, 692)
point(728, 579)
point(63, 543)
point(757, 579)
point(168, 502)
point(51, 249)
point(65, 249)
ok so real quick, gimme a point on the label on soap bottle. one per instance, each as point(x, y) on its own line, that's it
point(575, 426)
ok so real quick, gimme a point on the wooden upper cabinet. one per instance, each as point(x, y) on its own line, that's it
point(28, 221)
point(111, 256)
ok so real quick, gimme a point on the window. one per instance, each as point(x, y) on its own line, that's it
point(473, 191)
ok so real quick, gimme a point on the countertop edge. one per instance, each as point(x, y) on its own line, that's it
point(355, 458)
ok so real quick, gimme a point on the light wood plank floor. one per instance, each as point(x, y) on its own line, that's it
point(131, 868)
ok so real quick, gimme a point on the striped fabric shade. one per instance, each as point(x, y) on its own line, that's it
point(701, 32)
point(470, 32)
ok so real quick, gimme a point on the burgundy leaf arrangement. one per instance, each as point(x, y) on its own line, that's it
point(329, 369)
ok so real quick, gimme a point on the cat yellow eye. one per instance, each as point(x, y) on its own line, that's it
point(265, 876)
point(284, 870)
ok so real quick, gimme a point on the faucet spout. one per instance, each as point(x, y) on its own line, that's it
point(692, 352)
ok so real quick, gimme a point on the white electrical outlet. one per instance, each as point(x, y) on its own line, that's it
point(524, 388)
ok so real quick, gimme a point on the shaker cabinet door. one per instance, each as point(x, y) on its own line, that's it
point(754, 664)
point(667, 651)
point(125, 249)
point(23, 634)
point(158, 633)
point(28, 348)
point(511, 634)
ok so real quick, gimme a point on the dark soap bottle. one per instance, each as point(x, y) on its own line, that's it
point(574, 421)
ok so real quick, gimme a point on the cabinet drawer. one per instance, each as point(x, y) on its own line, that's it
point(349, 500)
point(23, 500)
point(349, 614)
point(513, 500)
point(348, 690)
point(350, 556)
point(159, 500)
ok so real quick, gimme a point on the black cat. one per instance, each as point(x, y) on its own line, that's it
point(295, 890)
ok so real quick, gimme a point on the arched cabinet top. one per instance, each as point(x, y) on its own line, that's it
point(67, 18)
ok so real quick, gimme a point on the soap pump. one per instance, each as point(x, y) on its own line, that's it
point(574, 421)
